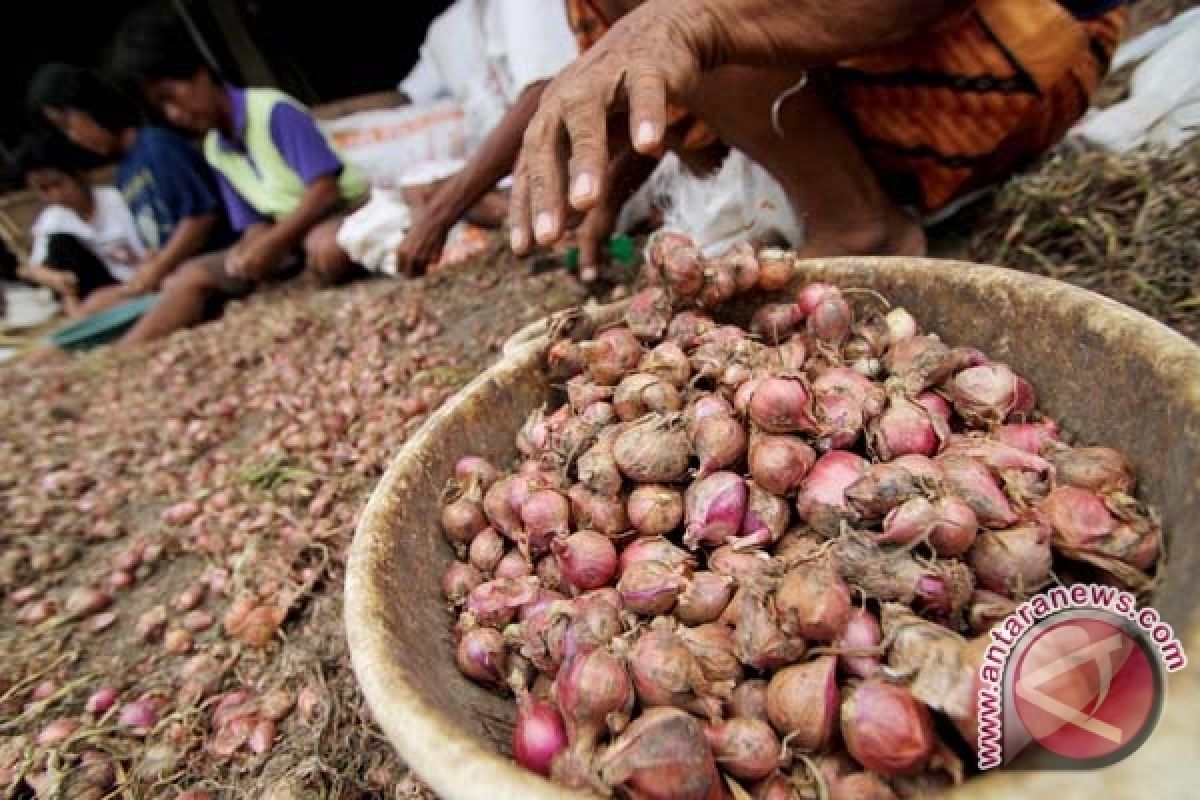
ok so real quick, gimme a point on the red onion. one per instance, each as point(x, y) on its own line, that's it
point(498, 508)
point(862, 633)
point(611, 355)
point(1085, 528)
point(766, 519)
point(705, 598)
point(486, 550)
point(886, 729)
point(720, 284)
point(936, 405)
point(463, 517)
point(775, 322)
point(587, 559)
point(687, 328)
point(831, 318)
point(594, 692)
point(713, 645)
point(782, 405)
point(57, 732)
point(655, 510)
point(810, 296)
point(906, 427)
point(597, 467)
point(83, 601)
point(595, 622)
point(668, 362)
point(971, 481)
point(513, 565)
point(549, 574)
point(990, 394)
point(663, 755)
point(639, 394)
point(565, 358)
point(749, 699)
point(758, 640)
point(545, 515)
point(744, 394)
point(719, 442)
point(954, 528)
point(1097, 469)
point(884, 486)
point(683, 270)
point(101, 700)
point(715, 507)
point(860, 786)
point(900, 325)
point(996, 455)
point(775, 269)
point(581, 393)
point(654, 449)
point(1032, 437)
point(665, 673)
point(650, 587)
point(942, 587)
point(745, 748)
point(495, 603)
point(603, 513)
point(744, 263)
point(458, 581)
point(779, 463)
point(740, 565)
point(539, 735)
point(821, 501)
point(812, 601)
point(987, 609)
point(1012, 562)
point(481, 656)
point(655, 549)
point(648, 313)
point(140, 715)
point(920, 362)
point(474, 468)
point(802, 702)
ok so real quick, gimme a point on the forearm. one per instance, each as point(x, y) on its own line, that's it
point(187, 241)
point(319, 201)
point(41, 275)
point(495, 159)
point(794, 32)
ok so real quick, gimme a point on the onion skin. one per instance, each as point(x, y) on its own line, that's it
point(713, 645)
point(782, 405)
point(1032, 437)
point(665, 673)
point(587, 559)
point(813, 602)
point(758, 640)
point(650, 587)
point(663, 755)
point(705, 598)
point(1086, 528)
point(779, 463)
point(1097, 469)
point(654, 549)
point(1013, 562)
point(749, 699)
point(599, 512)
point(862, 632)
point(886, 729)
point(481, 656)
point(655, 510)
point(746, 748)
point(715, 508)
point(821, 501)
point(972, 482)
point(654, 449)
point(594, 692)
point(802, 702)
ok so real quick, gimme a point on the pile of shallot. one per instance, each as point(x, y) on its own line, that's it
point(760, 561)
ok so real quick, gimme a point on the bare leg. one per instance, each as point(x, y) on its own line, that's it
point(832, 187)
point(182, 301)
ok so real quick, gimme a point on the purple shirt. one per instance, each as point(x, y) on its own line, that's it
point(299, 141)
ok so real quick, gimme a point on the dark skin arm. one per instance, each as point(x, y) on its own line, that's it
point(495, 159)
point(188, 239)
point(660, 51)
point(256, 256)
point(627, 171)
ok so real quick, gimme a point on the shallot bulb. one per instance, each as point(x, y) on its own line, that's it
point(1086, 528)
point(650, 587)
point(545, 515)
point(831, 317)
point(744, 263)
point(813, 601)
point(611, 355)
point(655, 549)
point(481, 656)
point(886, 729)
point(859, 645)
point(821, 501)
point(486, 550)
point(990, 394)
point(899, 325)
point(498, 508)
point(495, 603)
point(475, 468)
point(758, 640)
point(971, 481)
point(668, 362)
point(775, 322)
point(705, 598)
point(782, 405)
point(688, 327)
point(539, 735)
point(464, 517)
point(749, 699)
point(766, 518)
point(1032, 437)
point(655, 510)
point(587, 559)
point(715, 507)
point(458, 581)
point(639, 394)
point(779, 463)
point(712, 645)
point(513, 565)
point(802, 702)
point(1097, 469)
point(907, 427)
point(594, 693)
point(600, 512)
point(663, 755)
point(746, 748)
point(719, 442)
point(649, 313)
point(1013, 562)
point(654, 449)
point(665, 673)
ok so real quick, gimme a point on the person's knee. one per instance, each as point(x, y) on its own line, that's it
point(192, 276)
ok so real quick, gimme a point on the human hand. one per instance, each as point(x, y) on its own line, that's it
point(423, 243)
point(592, 236)
point(649, 55)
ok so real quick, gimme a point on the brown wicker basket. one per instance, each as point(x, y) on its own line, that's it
point(1118, 377)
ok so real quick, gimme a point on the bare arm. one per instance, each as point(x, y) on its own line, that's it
point(255, 256)
point(188, 239)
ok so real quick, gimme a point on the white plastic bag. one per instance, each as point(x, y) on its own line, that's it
point(386, 144)
point(740, 202)
point(1163, 107)
point(371, 235)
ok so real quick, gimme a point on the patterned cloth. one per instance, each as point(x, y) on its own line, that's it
point(976, 99)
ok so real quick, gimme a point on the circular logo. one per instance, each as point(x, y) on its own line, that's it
point(1087, 689)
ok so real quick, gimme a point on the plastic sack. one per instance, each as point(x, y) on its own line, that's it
point(386, 144)
point(739, 202)
point(1163, 107)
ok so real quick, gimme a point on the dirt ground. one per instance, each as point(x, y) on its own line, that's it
point(173, 522)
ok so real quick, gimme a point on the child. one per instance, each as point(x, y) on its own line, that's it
point(285, 187)
point(85, 241)
point(164, 181)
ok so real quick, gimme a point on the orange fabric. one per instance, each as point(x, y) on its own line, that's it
point(589, 24)
point(976, 98)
